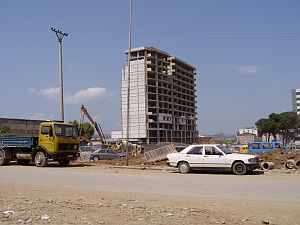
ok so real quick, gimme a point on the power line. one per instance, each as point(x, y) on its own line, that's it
point(199, 35)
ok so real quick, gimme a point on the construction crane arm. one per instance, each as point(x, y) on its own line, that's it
point(83, 111)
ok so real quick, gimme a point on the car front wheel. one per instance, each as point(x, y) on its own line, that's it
point(184, 167)
point(96, 158)
point(239, 168)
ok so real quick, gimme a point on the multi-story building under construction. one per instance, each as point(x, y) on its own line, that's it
point(162, 104)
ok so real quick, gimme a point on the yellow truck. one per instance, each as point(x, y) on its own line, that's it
point(244, 149)
point(55, 142)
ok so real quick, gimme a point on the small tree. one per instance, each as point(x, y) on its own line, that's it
point(87, 130)
point(5, 130)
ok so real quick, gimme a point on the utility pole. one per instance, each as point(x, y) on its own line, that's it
point(128, 80)
point(60, 35)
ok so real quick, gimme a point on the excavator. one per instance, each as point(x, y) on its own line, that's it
point(84, 112)
point(116, 146)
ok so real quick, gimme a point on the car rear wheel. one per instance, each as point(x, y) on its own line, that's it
point(184, 167)
point(239, 168)
point(96, 158)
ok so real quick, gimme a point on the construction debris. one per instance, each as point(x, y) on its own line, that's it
point(267, 165)
point(290, 164)
point(279, 157)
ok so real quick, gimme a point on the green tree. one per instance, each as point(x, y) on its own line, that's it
point(286, 124)
point(5, 130)
point(264, 128)
point(86, 130)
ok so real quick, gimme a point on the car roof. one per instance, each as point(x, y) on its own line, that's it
point(196, 145)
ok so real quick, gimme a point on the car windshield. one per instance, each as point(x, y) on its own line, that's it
point(224, 149)
point(62, 130)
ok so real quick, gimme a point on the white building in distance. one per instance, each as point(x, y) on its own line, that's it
point(296, 100)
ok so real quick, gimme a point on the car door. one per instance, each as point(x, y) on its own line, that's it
point(111, 154)
point(213, 157)
point(101, 154)
point(195, 157)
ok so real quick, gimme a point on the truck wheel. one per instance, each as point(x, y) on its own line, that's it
point(3, 161)
point(239, 168)
point(40, 159)
point(184, 167)
point(64, 162)
point(23, 162)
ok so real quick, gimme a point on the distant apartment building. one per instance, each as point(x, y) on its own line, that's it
point(296, 100)
point(162, 98)
point(246, 135)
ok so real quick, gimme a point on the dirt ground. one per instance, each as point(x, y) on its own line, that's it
point(33, 204)
point(37, 204)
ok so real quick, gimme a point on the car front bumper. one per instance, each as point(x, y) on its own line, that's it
point(252, 166)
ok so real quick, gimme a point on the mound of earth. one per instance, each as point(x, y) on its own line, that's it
point(279, 157)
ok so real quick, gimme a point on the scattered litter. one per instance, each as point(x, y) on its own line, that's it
point(26, 221)
point(8, 214)
point(45, 217)
point(123, 205)
point(265, 222)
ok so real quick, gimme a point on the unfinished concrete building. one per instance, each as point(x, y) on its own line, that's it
point(162, 98)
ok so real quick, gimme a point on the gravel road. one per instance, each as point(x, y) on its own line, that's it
point(95, 195)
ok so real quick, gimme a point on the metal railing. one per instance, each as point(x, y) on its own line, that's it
point(159, 153)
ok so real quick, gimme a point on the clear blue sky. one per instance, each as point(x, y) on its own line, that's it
point(247, 55)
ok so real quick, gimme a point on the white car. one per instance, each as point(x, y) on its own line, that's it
point(212, 157)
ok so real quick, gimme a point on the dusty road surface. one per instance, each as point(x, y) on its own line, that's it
point(95, 195)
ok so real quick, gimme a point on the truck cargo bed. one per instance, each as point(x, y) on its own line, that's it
point(22, 142)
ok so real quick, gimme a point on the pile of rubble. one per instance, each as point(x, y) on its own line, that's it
point(281, 158)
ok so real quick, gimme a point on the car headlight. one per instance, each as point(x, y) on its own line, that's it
point(253, 160)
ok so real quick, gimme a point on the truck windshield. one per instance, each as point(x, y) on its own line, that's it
point(65, 130)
